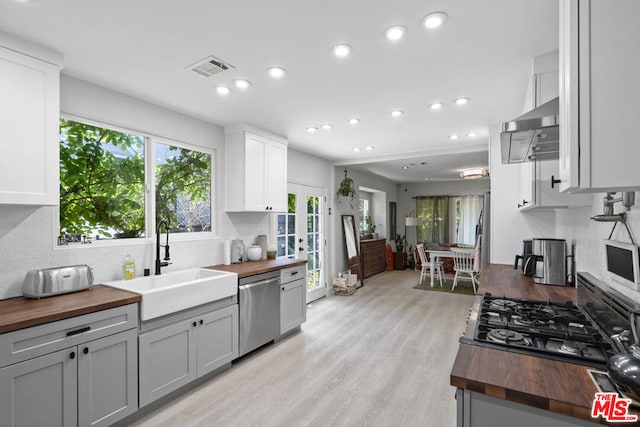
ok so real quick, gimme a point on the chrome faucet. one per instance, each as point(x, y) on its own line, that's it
point(164, 263)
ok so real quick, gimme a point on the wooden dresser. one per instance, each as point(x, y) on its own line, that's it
point(373, 256)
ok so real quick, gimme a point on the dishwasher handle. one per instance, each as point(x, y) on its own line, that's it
point(260, 283)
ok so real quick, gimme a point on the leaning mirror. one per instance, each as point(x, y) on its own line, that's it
point(351, 245)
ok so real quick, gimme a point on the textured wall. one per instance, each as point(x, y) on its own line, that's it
point(587, 237)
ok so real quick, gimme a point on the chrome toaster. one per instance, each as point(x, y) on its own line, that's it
point(58, 280)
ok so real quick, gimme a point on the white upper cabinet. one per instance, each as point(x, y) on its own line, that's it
point(538, 179)
point(537, 191)
point(599, 92)
point(29, 116)
point(256, 171)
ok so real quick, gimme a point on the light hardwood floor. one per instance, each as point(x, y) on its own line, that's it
point(380, 357)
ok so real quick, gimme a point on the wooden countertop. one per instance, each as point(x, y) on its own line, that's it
point(18, 313)
point(251, 268)
point(556, 386)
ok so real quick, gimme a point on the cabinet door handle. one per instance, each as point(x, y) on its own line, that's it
point(194, 324)
point(79, 331)
point(201, 322)
point(283, 288)
point(72, 355)
point(86, 350)
point(554, 181)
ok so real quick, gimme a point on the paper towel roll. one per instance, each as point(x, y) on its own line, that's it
point(226, 252)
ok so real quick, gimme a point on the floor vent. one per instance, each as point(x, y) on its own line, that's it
point(209, 66)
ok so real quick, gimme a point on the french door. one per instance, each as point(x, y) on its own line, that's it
point(301, 234)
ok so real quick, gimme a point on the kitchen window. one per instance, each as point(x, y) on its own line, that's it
point(108, 177)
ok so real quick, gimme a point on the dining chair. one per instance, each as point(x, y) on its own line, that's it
point(463, 260)
point(425, 264)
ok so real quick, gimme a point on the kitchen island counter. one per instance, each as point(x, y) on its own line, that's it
point(560, 387)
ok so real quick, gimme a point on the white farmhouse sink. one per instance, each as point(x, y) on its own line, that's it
point(179, 290)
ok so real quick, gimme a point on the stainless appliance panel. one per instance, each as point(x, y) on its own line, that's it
point(59, 280)
point(550, 256)
point(259, 303)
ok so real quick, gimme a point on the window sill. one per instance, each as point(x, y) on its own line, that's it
point(173, 238)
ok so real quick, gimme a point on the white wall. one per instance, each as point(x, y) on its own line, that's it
point(27, 235)
point(587, 236)
point(509, 227)
point(407, 192)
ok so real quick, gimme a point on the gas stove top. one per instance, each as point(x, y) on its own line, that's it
point(558, 330)
point(588, 332)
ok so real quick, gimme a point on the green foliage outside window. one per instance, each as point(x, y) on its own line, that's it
point(101, 181)
point(102, 184)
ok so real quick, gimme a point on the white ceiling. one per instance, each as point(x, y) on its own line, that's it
point(484, 51)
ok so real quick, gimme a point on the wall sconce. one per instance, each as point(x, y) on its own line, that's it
point(473, 173)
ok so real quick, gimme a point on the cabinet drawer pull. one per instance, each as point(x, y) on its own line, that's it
point(79, 331)
point(86, 350)
point(201, 322)
point(194, 324)
point(293, 273)
point(72, 355)
point(283, 288)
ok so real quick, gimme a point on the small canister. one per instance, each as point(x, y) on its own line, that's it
point(237, 251)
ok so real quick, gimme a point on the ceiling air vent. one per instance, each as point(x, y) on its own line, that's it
point(209, 66)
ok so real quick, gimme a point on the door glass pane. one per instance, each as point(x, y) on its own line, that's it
point(291, 203)
point(292, 223)
point(291, 247)
point(281, 224)
point(282, 248)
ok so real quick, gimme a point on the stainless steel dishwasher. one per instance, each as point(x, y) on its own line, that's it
point(259, 301)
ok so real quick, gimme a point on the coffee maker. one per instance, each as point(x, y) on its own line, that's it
point(527, 263)
point(549, 257)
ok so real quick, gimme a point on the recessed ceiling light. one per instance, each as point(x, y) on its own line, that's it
point(397, 113)
point(354, 121)
point(242, 83)
point(462, 100)
point(357, 149)
point(277, 72)
point(454, 136)
point(326, 126)
point(434, 20)
point(426, 179)
point(405, 167)
point(312, 129)
point(471, 134)
point(395, 33)
point(341, 50)
point(223, 90)
point(369, 147)
point(436, 106)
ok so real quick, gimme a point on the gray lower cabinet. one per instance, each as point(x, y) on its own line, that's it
point(480, 410)
point(293, 298)
point(40, 392)
point(174, 355)
point(92, 382)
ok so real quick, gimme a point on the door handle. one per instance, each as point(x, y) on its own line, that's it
point(554, 181)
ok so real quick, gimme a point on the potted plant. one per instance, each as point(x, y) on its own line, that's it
point(346, 188)
point(371, 227)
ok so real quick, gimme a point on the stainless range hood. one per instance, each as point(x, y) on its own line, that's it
point(532, 136)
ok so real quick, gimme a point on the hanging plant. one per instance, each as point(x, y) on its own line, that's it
point(346, 188)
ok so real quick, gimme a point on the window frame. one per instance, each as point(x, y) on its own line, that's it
point(150, 141)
